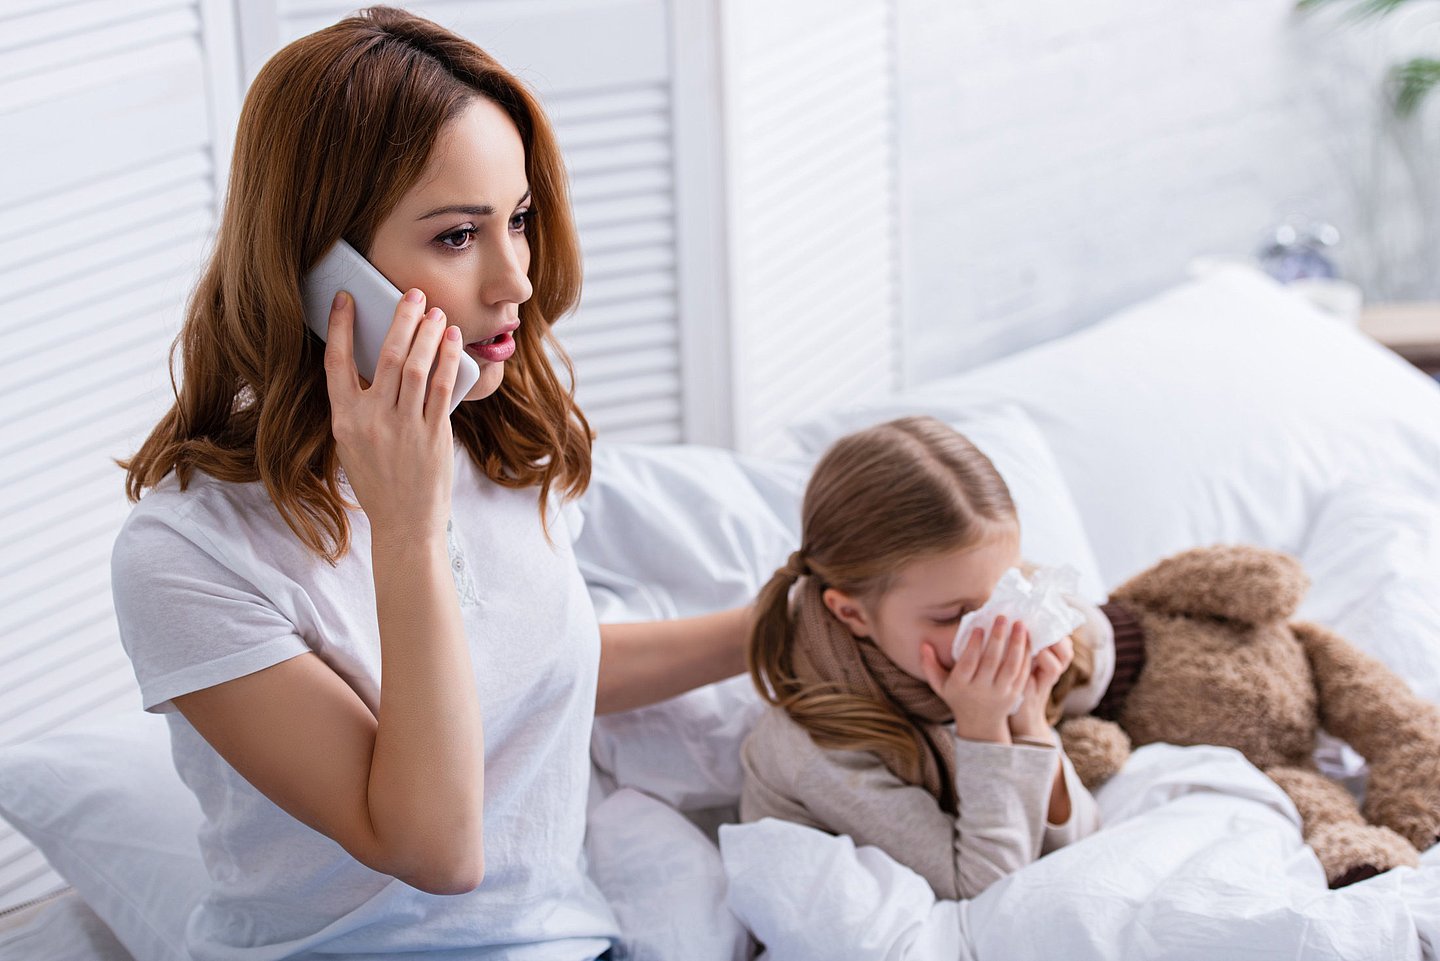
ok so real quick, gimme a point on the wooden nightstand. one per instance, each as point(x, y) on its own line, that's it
point(1411, 329)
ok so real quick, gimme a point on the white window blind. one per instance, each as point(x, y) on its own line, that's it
point(107, 198)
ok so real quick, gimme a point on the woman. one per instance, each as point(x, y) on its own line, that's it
point(362, 617)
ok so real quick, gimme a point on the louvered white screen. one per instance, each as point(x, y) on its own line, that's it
point(105, 204)
point(812, 209)
point(602, 70)
point(624, 339)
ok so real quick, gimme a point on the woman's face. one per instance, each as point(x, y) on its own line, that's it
point(929, 596)
point(459, 235)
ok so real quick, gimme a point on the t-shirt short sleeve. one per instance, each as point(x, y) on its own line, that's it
point(186, 620)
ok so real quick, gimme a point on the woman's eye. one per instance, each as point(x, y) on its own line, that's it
point(463, 234)
point(520, 223)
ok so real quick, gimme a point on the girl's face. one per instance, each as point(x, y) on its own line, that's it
point(927, 599)
point(459, 234)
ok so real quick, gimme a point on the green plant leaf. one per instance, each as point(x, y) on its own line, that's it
point(1412, 80)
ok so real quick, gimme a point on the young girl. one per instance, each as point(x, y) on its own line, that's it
point(875, 731)
point(361, 616)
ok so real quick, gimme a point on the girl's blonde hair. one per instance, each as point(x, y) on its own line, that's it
point(878, 500)
point(336, 127)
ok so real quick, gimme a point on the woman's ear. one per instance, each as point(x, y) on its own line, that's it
point(848, 611)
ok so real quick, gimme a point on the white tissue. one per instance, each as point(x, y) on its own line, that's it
point(1040, 604)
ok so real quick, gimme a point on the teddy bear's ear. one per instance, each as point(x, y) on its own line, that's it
point(1239, 582)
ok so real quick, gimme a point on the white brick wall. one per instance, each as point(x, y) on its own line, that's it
point(1059, 159)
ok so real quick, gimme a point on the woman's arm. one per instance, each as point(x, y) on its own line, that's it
point(647, 662)
point(427, 772)
point(401, 789)
point(403, 792)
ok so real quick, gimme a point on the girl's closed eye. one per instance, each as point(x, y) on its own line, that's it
point(953, 618)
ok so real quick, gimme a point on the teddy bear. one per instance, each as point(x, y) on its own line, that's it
point(1224, 663)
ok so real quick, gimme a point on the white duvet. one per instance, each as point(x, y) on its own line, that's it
point(1200, 858)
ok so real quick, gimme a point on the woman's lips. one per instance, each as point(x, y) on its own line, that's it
point(497, 349)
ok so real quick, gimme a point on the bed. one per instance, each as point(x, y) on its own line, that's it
point(1222, 410)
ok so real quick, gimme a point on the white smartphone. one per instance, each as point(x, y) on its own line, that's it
point(342, 268)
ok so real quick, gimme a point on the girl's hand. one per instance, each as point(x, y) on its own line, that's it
point(1048, 665)
point(393, 437)
point(987, 678)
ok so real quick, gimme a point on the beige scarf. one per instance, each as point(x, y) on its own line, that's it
point(825, 651)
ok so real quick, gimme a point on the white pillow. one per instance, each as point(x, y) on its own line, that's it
point(1373, 556)
point(1223, 409)
point(1051, 531)
point(684, 751)
point(675, 531)
point(664, 880)
point(102, 802)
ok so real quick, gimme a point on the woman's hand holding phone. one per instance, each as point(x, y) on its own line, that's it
point(393, 437)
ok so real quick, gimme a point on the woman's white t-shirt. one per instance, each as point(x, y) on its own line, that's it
point(210, 585)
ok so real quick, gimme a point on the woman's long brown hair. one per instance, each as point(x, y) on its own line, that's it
point(877, 500)
point(336, 127)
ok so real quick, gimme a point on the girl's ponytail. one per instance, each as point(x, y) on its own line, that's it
point(834, 718)
point(769, 652)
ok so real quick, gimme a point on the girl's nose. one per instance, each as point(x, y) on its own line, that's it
point(944, 654)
